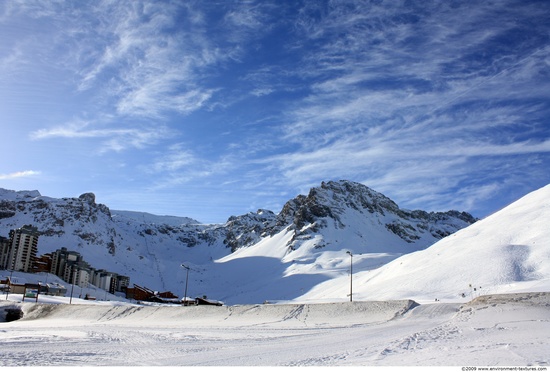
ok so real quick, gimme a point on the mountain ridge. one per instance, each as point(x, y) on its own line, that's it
point(333, 217)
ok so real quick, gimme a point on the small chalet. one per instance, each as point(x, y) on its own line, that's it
point(139, 293)
point(205, 301)
point(51, 289)
point(145, 294)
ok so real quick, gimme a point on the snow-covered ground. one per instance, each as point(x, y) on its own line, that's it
point(499, 330)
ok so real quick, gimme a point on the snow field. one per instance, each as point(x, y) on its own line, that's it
point(499, 330)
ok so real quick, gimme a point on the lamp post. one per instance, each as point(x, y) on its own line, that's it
point(350, 276)
point(72, 286)
point(8, 290)
point(186, 281)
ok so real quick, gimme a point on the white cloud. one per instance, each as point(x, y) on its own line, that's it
point(11, 64)
point(389, 93)
point(20, 174)
point(179, 164)
point(395, 99)
point(118, 139)
point(176, 158)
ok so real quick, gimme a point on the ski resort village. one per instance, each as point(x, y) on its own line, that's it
point(18, 254)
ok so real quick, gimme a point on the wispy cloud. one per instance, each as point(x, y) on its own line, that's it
point(175, 159)
point(179, 165)
point(247, 22)
point(21, 174)
point(438, 96)
point(137, 62)
point(151, 68)
point(11, 63)
point(398, 97)
point(114, 139)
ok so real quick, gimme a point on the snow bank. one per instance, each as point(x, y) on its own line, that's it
point(281, 315)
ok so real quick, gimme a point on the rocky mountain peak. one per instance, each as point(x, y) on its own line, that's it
point(245, 230)
point(358, 196)
point(331, 200)
point(333, 203)
point(88, 197)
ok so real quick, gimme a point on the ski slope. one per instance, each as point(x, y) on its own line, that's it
point(507, 252)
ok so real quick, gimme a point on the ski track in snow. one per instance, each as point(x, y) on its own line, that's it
point(491, 330)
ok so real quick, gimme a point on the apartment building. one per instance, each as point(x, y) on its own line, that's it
point(4, 249)
point(19, 252)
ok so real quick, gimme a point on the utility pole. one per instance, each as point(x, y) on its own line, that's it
point(8, 290)
point(72, 286)
point(186, 281)
point(350, 277)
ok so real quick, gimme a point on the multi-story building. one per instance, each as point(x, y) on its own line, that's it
point(43, 264)
point(95, 279)
point(105, 280)
point(122, 283)
point(19, 254)
point(4, 249)
point(62, 258)
point(78, 274)
point(21, 249)
point(71, 267)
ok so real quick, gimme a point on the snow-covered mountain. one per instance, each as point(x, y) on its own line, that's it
point(241, 260)
point(507, 252)
point(505, 257)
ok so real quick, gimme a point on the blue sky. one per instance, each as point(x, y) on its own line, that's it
point(208, 109)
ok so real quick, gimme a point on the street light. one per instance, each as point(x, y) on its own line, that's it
point(72, 286)
point(8, 290)
point(186, 281)
point(350, 277)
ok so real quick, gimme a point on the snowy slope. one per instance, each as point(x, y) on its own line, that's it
point(506, 252)
point(322, 227)
point(251, 258)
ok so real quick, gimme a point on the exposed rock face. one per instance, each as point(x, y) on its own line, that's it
point(88, 197)
point(333, 201)
point(80, 217)
point(246, 230)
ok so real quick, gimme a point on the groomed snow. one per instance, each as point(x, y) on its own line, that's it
point(500, 330)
